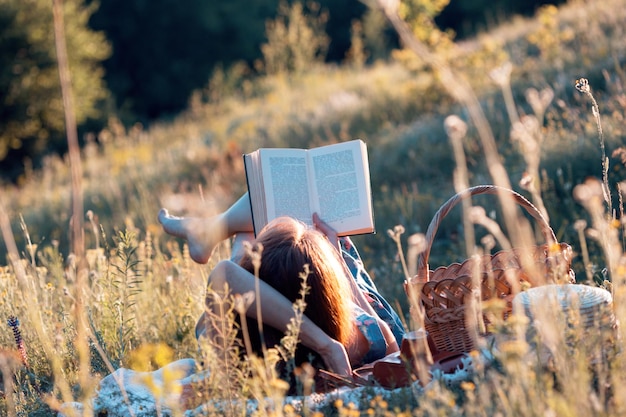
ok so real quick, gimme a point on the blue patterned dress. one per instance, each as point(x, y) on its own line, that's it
point(366, 323)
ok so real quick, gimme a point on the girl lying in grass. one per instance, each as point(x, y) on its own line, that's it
point(347, 323)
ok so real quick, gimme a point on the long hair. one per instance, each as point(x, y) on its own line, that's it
point(288, 245)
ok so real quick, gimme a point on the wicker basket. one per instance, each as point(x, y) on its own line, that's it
point(443, 292)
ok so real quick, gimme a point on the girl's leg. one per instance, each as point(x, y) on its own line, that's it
point(238, 249)
point(204, 233)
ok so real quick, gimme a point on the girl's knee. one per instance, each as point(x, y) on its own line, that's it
point(218, 276)
point(224, 272)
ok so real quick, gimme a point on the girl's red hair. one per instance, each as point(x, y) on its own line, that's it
point(287, 246)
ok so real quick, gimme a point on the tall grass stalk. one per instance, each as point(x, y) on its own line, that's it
point(580, 226)
point(412, 286)
point(220, 354)
point(289, 342)
point(95, 342)
point(32, 249)
point(224, 341)
point(396, 235)
point(582, 85)
point(33, 313)
point(456, 130)
point(81, 343)
point(606, 231)
point(127, 281)
point(255, 254)
point(526, 130)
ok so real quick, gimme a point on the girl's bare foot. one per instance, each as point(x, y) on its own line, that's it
point(201, 234)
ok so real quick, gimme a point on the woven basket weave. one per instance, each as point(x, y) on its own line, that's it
point(443, 292)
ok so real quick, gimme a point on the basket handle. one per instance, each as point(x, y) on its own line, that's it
point(422, 260)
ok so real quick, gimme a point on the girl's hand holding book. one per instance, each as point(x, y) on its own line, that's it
point(330, 233)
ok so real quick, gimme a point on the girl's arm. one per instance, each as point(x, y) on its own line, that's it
point(357, 295)
point(277, 311)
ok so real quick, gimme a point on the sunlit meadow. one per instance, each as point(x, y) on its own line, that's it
point(143, 292)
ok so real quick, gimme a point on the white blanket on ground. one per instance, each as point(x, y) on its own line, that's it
point(128, 393)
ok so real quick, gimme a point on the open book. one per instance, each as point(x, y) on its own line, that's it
point(332, 181)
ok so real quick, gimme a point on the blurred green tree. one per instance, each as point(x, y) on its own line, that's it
point(296, 39)
point(31, 106)
point(163, 50)
point(469, 17)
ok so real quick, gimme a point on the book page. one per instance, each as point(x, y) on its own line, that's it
point(256, 189)
point(286, 184)
point(342, 187)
